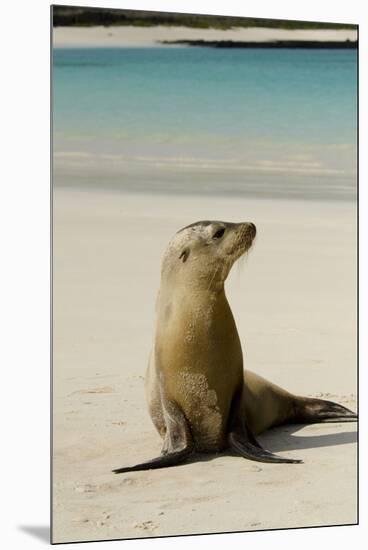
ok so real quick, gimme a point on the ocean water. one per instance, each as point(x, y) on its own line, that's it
point(261, 122)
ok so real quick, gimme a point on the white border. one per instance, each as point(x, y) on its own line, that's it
point(25, 266)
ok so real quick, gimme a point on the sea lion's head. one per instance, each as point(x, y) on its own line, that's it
point(201, 254)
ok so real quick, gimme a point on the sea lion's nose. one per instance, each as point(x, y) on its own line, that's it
point(253, 228)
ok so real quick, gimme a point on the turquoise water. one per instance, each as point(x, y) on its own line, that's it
point(207, 120)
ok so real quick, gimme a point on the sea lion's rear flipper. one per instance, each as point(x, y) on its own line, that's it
point(253, 451)
point(309, 410)
point(178, 443)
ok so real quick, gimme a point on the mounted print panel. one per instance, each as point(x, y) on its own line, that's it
point(204, 274)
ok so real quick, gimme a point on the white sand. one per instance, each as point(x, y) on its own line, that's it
point(294, 303)
point(150, 36)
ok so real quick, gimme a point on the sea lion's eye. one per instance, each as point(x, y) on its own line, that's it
point(219, 233)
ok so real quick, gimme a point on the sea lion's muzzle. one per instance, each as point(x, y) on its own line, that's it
point(243, 239)
point(248, 231)
point(253, 229)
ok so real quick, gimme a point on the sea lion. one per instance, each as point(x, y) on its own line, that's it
point(199, 397)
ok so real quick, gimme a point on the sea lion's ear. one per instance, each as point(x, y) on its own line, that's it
point(184, 254)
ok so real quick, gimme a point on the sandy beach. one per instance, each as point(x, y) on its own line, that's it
point(130, 36)
point(293, 299)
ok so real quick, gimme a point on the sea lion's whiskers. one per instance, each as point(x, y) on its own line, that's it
point(242, 261)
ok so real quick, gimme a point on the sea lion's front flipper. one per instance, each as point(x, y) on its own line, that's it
point(178, 443)
point(163, 461)
point(245, 448)
point(309, 410)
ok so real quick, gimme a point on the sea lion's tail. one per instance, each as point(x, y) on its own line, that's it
point(309, 410)
point(163, 461)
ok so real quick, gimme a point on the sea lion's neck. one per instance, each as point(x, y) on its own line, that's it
point(205, 312)
point(194, 293)
point(193, 301)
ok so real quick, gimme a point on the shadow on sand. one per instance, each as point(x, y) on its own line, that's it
point(283, 439)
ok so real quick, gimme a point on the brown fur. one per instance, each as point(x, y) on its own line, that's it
point(198, 395)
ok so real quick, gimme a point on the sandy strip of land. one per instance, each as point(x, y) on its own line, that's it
point(151, 36)
point(294, 304)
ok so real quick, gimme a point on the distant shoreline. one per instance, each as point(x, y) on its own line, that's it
point(160, 36)
point(277, 44)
